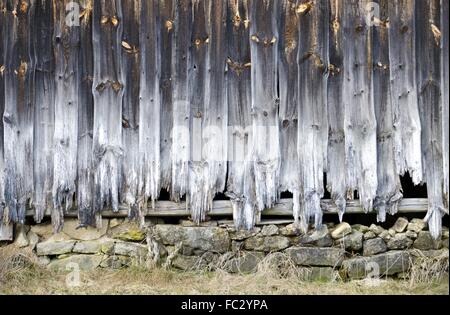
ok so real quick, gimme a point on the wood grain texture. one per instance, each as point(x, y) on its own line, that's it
point(113, 105)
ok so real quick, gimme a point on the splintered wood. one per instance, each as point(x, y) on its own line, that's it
point(105, 103)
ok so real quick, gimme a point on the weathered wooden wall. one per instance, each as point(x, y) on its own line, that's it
point(107, 102)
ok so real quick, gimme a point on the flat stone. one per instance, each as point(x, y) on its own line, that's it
point(43, 261)
point(399, 241)
point(416, 225)
point(376, 229)
point(445, 243)
point(374, 246)
point(246, 263)
point(388, 263)
point(392, 232)
point(116, 262)
point(318, 237)
point(94, 247)
point(73, 230)
point(236, 246)
point(130, 249)
point(369, 235)
point(290, 230)
point(185, 262)
point(432, 253)
point(203, 238)
point(351, 242)
point(266, 244)
point(400, 225)
point(321, 274)
point(360, 228)
point(115, 222)
point(241, 235)
point(53, 248)
point(312, 256)
point(269, 230)
point(128, 232)
point(411, 234)
point(425, 241)
point(341, 230)
point(189, 223)
point(83, 262)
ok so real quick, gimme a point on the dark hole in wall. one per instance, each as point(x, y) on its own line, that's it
point(410, 190)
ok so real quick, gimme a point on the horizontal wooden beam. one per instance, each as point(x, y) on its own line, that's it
point(223, 208)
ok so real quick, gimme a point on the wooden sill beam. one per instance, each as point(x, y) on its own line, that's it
point(282, 209)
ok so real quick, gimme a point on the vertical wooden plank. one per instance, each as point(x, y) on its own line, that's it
point(389, 188)
point(402, 58)
point(18, 115)
point(312, 113)
point(198, 77)
point(166, 29)
point(130, 56)
point(44, 93)
point(240, 184)
point(360, 120)
point(288, 86)
point(149, 104)
point(445, 97)
point(428, 52)
point(265, 103)
point(85, 180)
point(336, 182)
point(67, 80)
point(216, 113)
point(5, 226)
point(108, 94)
point(181, 109)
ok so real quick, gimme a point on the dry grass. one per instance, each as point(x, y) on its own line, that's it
point(19, 274)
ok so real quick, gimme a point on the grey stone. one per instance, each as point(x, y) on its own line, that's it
point(266, 244)
point(43, 261)
point(128, 232)
point(189, 223)
point(241, 235)
point(444, 232)
point(376, 229)
point(53, 248)
point(392, 232)
point(400, 225)
point(445, 243)
point(312, 256)
point(341, 230)
point(432, 253)
point(203, 238)
point(94, 247)
point(360, 228)
point(411, 234)
point(115, 222)
point(321, 274)
point(290, 230)
point(73, 230)
point(374, 246)
point(425, 241)
point(21, 240)
point(236, 246)
point(399, 241)
point(319, 237)
point(185, 262)
point(130, 249)
point(351, 242)
point(246, 263)
point(416, 225)
point(369, 235)
point(269, 230)
point(83, 262)
point(385, 235)
point(388, 263)
point(116, 262)
point(33, 239)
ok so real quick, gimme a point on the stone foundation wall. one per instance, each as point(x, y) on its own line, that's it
point(349, 252)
